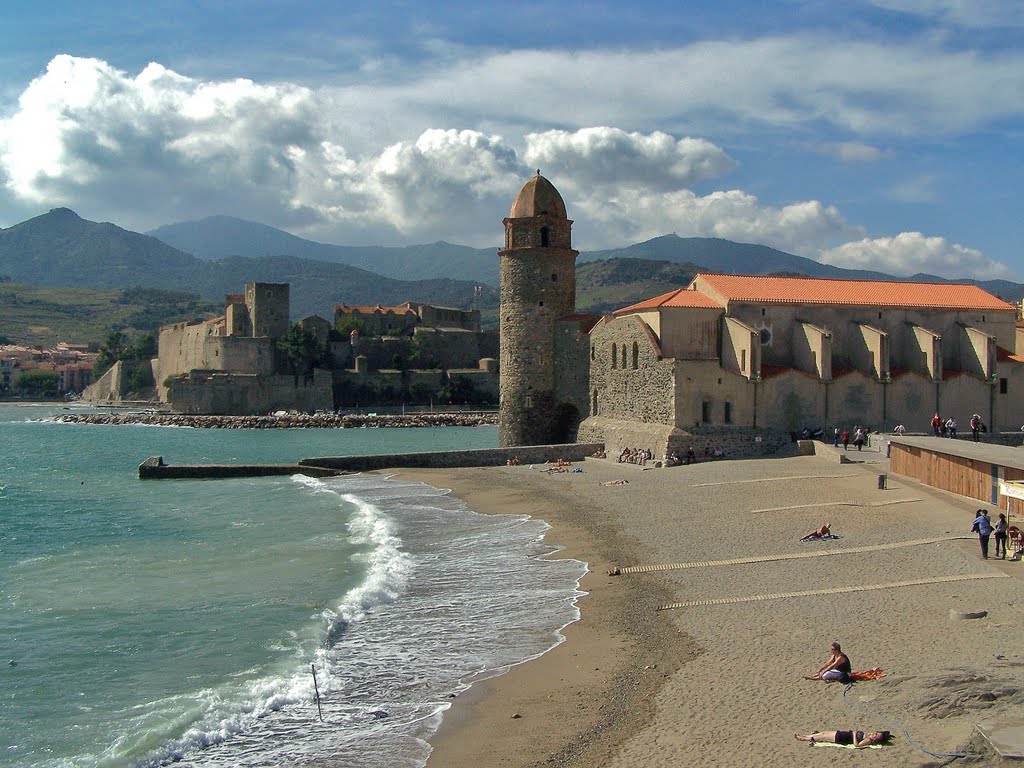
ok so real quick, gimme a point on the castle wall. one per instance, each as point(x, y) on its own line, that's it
point(215, 392)
point(187, 347)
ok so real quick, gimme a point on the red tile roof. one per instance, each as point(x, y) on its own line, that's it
point(875, 293)
point(1005, 354)
point(681, 297)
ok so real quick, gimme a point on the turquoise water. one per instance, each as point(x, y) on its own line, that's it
point(148, 622)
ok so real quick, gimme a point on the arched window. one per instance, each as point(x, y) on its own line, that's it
point(615, 355)
point(593, 404)
point(545, 237)
point(636, 355)
point(623, 354)
point(593, 352)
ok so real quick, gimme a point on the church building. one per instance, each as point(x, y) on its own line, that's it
point(731, 354)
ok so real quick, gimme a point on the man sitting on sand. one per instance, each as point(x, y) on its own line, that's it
point(821, 533)
point(852, 738)
point(836, 669)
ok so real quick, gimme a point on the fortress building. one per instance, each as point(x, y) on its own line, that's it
point(730, 358)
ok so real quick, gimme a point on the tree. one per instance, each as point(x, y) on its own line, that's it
point(300, 347)
point(39, 383)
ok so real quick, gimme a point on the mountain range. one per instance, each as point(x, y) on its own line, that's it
point(218, 255)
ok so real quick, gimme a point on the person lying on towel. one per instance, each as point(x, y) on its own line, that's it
point(852, 738)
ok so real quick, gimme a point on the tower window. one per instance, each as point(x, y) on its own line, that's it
point(1002, 386)
point(545, 237)
point(554, 277)
point(540, 303)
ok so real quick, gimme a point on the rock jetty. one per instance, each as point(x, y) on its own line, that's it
point(286, 421)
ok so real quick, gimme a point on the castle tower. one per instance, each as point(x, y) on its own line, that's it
point(538, 286)
point(269, 308)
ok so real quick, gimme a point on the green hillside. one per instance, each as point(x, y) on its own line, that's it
point(604, 286)
point(41, 317)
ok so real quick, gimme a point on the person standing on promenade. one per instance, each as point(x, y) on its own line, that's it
point(936, 424)
point(835, 438)
point(1000, 532)
point(846, 439)
point(975, 427)
point(983, 527)
point(836, 669)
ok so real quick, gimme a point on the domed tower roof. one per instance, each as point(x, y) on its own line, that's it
point(538, 197)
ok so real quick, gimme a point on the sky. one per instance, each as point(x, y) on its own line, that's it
point(870, 134)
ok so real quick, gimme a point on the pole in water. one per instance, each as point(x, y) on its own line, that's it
point(316, 688)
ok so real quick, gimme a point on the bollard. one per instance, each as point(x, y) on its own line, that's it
point(881, 482)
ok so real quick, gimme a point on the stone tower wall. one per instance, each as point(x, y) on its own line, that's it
point(538, 286)
point(269, 308)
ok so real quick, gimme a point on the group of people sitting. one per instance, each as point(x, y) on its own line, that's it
point(635, 456)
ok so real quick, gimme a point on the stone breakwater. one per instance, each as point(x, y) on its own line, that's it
point(290, 421)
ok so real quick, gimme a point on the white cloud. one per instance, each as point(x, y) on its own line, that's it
point(910, 253)
point(610, 157)
point(803, 228)
point(850, 151)
point(963, 13)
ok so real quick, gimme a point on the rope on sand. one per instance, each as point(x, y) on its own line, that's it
point(835, 504)
point(832, 591)
point(770, 479)
point(771, 558)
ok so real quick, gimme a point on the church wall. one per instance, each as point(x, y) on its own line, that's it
point(855, 400)
point(741, 348)
point(708, 395)
point(842, 323)
point(790, 401)
point(642, 393)
point(911, 399)
point(1008, 393)
point(689, 333)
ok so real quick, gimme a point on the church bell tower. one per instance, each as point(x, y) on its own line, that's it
point(538, 286)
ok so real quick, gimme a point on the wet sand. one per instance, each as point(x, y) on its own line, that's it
point(721, 684)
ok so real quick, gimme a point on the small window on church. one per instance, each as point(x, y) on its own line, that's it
point(540, 304)
point(705, 411)
point(636, 356)
point(593, 352)
point(727, 415)
point(743, 360)
point(554, 277)
point(529, 402)
point(1002, 386)
point(615, 355)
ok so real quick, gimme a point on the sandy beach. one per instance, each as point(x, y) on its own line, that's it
point(721, 683)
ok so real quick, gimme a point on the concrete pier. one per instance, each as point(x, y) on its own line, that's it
point(154, 467)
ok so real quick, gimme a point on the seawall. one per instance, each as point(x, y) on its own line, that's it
point(154, 467)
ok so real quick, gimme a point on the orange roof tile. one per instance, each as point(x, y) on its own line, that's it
point(681, 297)
point(1005, 354)
point(875, 293)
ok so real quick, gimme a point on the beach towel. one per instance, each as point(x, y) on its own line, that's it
point(843, 746)
point(867, 674)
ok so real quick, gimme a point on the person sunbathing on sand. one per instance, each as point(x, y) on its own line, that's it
point(851, 738)
point(821, 533)
point(614, 482)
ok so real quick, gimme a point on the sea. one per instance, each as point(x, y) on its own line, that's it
point(282, 621)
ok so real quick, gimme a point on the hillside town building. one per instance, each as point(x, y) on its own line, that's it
point(731, 355)
point(71, 364)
